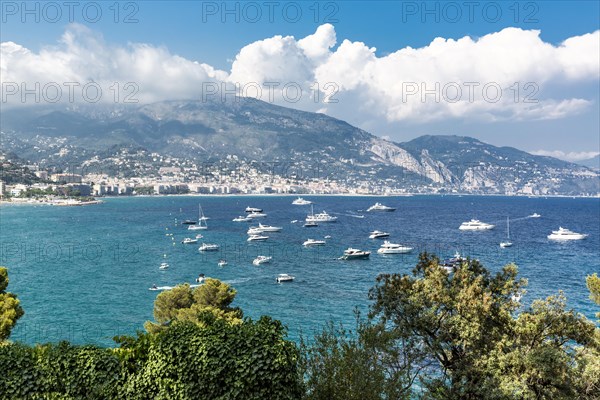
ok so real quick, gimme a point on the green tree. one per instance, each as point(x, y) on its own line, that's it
point(183, 303)
point(10, 308)
point(593, 284)
point(472, 344)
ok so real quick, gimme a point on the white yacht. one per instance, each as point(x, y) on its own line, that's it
point(301, 202)
point(253, 210)
point(321, 217)
point(242, 219)
point(256, 238)
point(507, 242)
point(378, 235)
point(313, 242)
point(284, 278)
point(267, 228)
point(566, 234)
point(535, 215)
point(164, 265)
point(253, 230)
point(256, 214)
point(355, 254)
point(380, 207)
point(393, 248)
point(262, 260)
point(208, 247)
point(189, 241)
point(475, 225)
point(222, 263)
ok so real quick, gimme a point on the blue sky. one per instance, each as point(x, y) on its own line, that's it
point(214, 33)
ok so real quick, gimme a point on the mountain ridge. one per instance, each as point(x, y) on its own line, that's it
point(252, 130)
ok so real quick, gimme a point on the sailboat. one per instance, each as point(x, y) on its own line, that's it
point(201, 221)
point(507, 242)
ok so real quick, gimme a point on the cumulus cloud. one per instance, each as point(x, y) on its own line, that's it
point(567, 156)
point(504, 75)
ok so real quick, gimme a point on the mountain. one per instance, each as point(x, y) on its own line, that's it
point(593, 163)
point(192, 133)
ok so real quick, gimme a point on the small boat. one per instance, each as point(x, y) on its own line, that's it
point(199, 236)
point(253, 230)
point(313, 242)
point(507, 242)
point(256, 215)
point(222, 263)
point(188, 222)
point(189, 241)
point(475, 225)
point(301, 202)
point(267, 228)
point(257, 238)
point(566, 234)
point(310, 224)
point(164, 265)
point(327, 237)
point(393, 248)
point(201, 278)
point(208, 247)
point(262, 260)
point(281, 278)
point(451, 263)
point(380, 207)
point(378, 235)
point(355, 254)
point(535, 215)
point(154, 287)
point(201, 221)
point(253, 210)
point(321, 217)
point(242, 219)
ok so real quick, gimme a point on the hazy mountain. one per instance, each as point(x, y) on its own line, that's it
point(253, 130)
point(593, 162)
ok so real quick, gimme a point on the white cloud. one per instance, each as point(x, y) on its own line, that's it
point(362, 87)
point(567, 156)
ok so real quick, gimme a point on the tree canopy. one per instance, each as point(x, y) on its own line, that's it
point(10, 308)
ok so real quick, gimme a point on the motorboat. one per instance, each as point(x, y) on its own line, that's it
point(164, 265)
point(242, 219)
point(378, 235)
point(189, 241)
point(281, 278)
point(262, 260)
point(310, 224)
point(451, 263)
point(313, 242)
point(566, 234)
point(475, 225)
point(355, 254)
point(253, 230)
point(267, 228)
point(253, 210)
point(199, 236)
point(201, 278)
point(208, 247)
point(257, 238)
point(535, 215)
point(393, 248)
point(188, 222)
point(507, 242)
point(256, 215)
point(380, 207)
point(222, 263)
point(197, 227)
point(321, 217)
point(301, 202)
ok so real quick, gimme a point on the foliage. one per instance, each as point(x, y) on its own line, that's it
point(362, 365)
point(216, 360)
point(593, 284)
point(10, 308)
point(183, 303)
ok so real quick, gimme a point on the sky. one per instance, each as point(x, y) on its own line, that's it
point(521, 74)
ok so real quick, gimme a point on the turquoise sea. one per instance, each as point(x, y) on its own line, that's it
point(83, 273)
